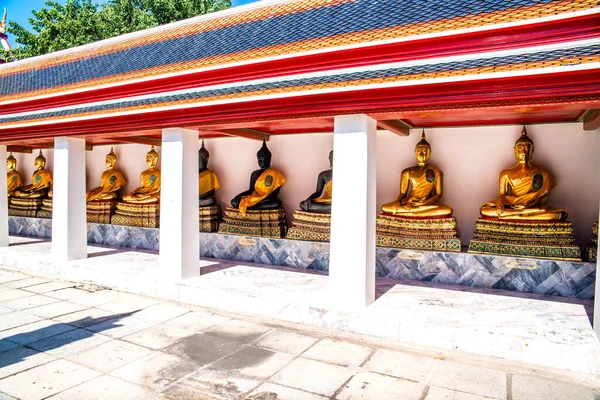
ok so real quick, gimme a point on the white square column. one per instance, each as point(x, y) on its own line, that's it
point(596, 319)
point(353, 213)
point(69, 223)
point(3, 199)
point(179, 247)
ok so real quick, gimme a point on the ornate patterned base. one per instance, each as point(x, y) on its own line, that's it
point(145, 215)
point(591, 250)
point(25, 207)
point(46, 210)
point(210, 217)
point(263, 223)
point(539, 239)
point(100, 212)
point(417, 233)
point(310, 226)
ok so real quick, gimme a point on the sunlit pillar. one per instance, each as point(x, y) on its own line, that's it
point(352, 254)
point(3, 199)
point(179, 222)
point(69, 225)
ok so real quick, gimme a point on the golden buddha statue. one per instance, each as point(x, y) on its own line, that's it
point(208, 182)
point(265, 184)
point(40, 181)
point(13, 178)
point(111, 181)
point(523, 189)
point(420, 188)
point(149, 190)
point(320, 200)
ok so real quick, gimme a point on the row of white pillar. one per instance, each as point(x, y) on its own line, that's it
point(352, 254)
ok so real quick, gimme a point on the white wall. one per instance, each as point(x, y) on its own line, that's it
point(471, 159)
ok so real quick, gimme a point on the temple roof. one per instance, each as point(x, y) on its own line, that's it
point(275, 49)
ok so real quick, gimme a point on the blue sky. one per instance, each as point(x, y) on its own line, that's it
point(20, 10)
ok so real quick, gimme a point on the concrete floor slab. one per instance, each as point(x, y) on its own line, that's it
point(337, 352)
point(400, 365)
point(286, 342)
point(98, 388)
point(156, 371)
point(34, 383)
point(55, 309)
point(272, 391)
point(313, 376)
point(69, 343)
point(109, 356)
point(254, 362)
point(471, 379)
point(21, 359)
point(532, 388)
point(367, 385)
point(436, 393)
point(35, 331)
point(24, 303)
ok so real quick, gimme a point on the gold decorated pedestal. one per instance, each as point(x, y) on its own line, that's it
point(145, 215)
point(417, 233)
point(539, 239)
point(591, 250)
point(46, 210)
point(210, 217)
point(25, 207)
point(310, 226)
point(101, 212)
point(264, 223)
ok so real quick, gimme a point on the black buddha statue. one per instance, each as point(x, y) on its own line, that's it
point(320, 200)
point(208, 183)
point(265, 184)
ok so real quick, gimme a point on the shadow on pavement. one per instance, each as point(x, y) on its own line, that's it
point(55, 336)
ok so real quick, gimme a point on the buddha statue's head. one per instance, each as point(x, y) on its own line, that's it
point(111, 159)
point(11, 162)
point(203, 156)
point(40, 161)
point(422, 151)
point(264, 156)
point(523, 148)
point(152, 158)
point(331, 159)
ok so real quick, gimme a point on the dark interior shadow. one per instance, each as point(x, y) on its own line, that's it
point(51, 341)
point(108, 252)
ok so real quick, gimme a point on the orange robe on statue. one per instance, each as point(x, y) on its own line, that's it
point(267, 183)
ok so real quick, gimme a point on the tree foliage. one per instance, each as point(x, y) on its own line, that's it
point(77, 22)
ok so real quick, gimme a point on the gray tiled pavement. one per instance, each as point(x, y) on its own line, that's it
point(62, 342)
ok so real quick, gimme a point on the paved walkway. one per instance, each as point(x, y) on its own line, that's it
point(60, 341)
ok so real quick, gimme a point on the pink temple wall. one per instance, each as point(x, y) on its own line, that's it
point(471, 159)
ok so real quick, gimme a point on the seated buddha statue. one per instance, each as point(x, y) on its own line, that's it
point(208, 182)
point(320, 200)
point(265, 184)
point(149, 190)
point(111, 181)
point(13, 178)
point(523, 189)
point(420, 188)
point(40, 182)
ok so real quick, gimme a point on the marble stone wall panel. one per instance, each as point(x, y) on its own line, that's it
point(32, 227)
point(561, 278)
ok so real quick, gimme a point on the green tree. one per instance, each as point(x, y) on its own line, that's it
point(78, 22)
